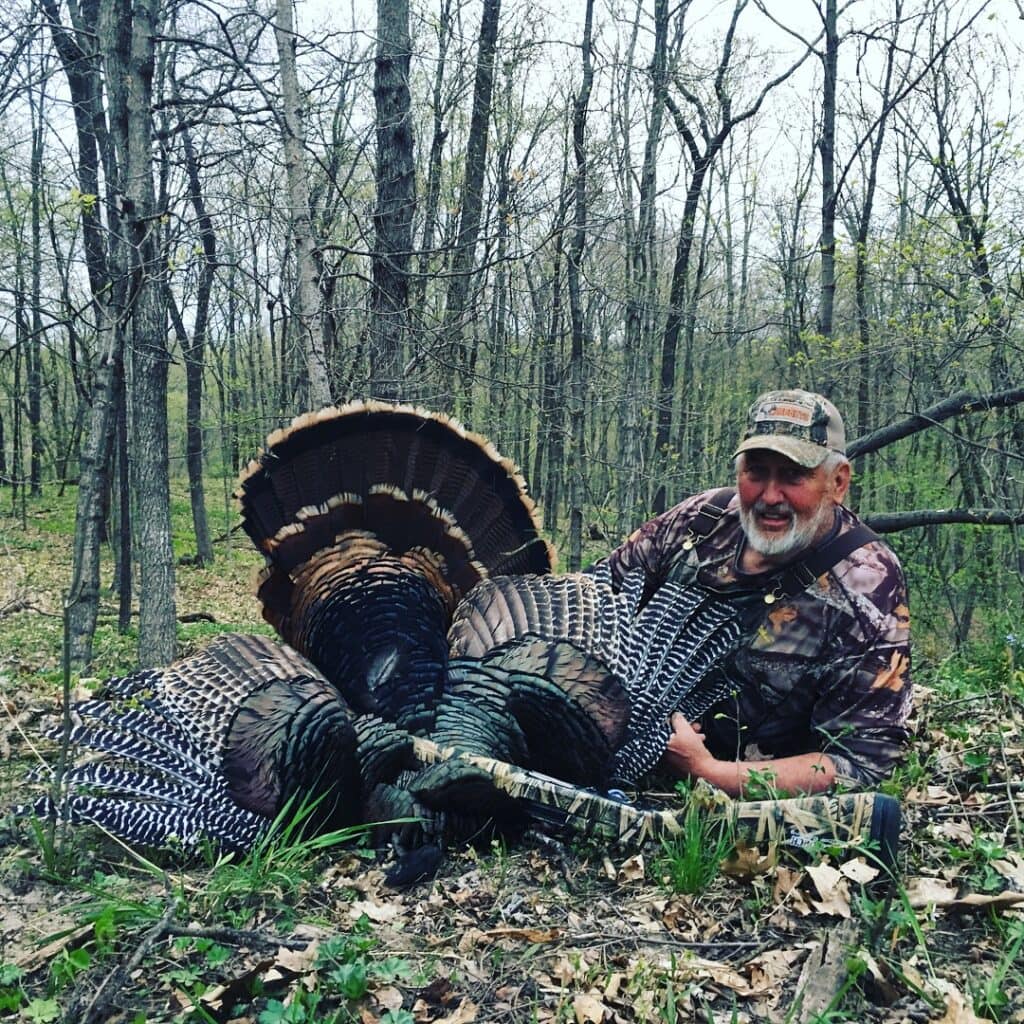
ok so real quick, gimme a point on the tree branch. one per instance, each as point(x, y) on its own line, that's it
point(891, 522)
point(956, 405)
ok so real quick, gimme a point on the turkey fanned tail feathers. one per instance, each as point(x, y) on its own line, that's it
point(406, 570)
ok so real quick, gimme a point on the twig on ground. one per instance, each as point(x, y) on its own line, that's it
point(100, 1005)
point(238, 937)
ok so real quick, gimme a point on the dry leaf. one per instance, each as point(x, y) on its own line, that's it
point(465, 1013)
point(631, 870)
point(832, 889)
point(978, 900)
point(695, 967)
point(218, 996)
point(748, 861)
point(380, 913)
point(858, 870)
point(389, 997)
point(923, 891)
point(615, 980)
point(565, 971)
point(589, 1010)
point(956, 831)
point(958, 1010)
point(471, 938)
point(1011, 867)
point(298, 961)
point(767, 970)
point(932, 796)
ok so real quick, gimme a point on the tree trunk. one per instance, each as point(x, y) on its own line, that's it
point(193, 351)
point(307, 306)
point(827, 148)
point(149, 355)
point(472, 199)
point(577, 424)
point(396, 199)
point(104, 258)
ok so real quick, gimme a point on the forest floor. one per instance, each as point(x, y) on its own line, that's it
point(90, 931)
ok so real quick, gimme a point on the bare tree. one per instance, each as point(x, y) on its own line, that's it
point(307, 296)
point(396, 198)
point(471, 205)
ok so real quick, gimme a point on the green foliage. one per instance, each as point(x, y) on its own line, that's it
point(691, 860)
point(993, 992)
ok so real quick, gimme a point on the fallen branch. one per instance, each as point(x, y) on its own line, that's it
point(956, 405)
point(100, 1005)
point(196, 617)
point(891, 522)
point(238, 937)
point(20, 605)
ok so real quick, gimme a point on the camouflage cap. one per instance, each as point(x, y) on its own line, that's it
point(801, 425)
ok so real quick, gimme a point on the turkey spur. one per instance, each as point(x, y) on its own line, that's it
point(408, 580)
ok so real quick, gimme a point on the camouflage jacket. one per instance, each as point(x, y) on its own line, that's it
point(827, 670)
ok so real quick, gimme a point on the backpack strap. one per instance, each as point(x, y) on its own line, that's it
point(707, 516)
point(800, 575)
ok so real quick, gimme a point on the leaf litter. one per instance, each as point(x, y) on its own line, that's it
point(529, 934)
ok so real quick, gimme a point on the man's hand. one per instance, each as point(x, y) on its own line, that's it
point(685, 752)
point(687, 756)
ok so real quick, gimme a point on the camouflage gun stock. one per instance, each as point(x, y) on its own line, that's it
point(866, 820)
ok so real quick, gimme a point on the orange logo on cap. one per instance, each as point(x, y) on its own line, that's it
point(795, 413)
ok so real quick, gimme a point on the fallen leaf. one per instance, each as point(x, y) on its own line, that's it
point(858, 870)
point(923, 891)
point(931, 796)
point(611, 989)
point(748, 861)
point(567, 971)
point(30, 960)
point(380, 913)
point(832, 889)
point(219, 996)
point(769, 969)
point(588, 1010)
point(978, 900)
point(465, 1013)
point(956, 831)
point(958, 1010)
point(631, 870)
point(471, 938)
point(389, 997)
point(1011, 867)
point(298, 961)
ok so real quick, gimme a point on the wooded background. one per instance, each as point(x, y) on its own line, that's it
point(593, 234)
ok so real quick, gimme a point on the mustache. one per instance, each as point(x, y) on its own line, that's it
point(782, 508)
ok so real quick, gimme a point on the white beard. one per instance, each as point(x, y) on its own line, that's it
point(802, 532)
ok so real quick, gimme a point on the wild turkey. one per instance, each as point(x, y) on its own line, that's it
point(407, 573)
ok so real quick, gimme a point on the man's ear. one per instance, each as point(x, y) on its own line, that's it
point(840, 481)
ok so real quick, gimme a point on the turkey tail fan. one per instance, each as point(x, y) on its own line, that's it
point(544, 704)
point(674, 654)
point(212, 748)
point(407, 476)
point(582, 608)
point(376, 520)
point(664, 652)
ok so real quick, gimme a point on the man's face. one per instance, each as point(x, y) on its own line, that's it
point(785, 507)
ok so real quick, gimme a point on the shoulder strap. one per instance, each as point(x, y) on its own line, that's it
point(708, 515)
point(800, 575)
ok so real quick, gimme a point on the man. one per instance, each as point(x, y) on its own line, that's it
point(820, 692)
